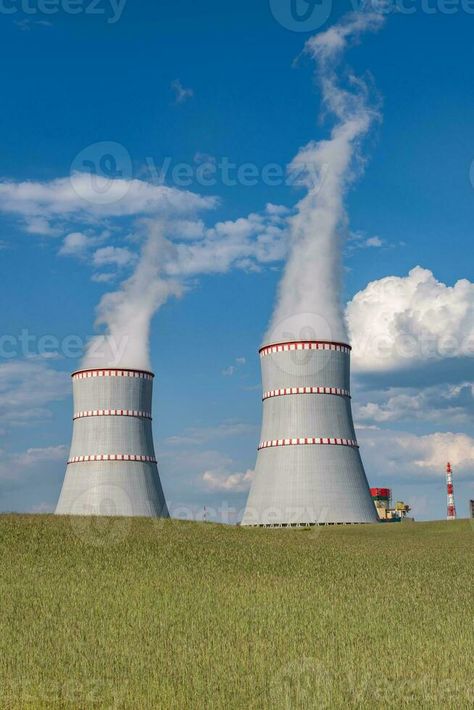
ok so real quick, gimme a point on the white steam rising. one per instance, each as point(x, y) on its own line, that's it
point(309, 298)
point(127, 313)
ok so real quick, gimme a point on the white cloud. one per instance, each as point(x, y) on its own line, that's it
point(397, 322)
point(14, 467)
point(373, 242)
point(224, 481)
point(444, 402)
point(103, 278)
point(400, 454)
point(82, 197)
point(247, 243)
point(26, 388)
point(232, 369)
point(181, 93)
point(75, 244)
point(116, 256)
point(359, 240)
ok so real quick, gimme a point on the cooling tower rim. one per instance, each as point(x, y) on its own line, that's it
point(112, 371)
point(287, 343)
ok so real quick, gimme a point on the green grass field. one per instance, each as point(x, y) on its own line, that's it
point(145, 614)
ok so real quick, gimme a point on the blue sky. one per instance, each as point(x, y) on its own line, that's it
point(71, 81)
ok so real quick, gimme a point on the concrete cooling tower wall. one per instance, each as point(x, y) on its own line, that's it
point(309, 470)
point(112, 468)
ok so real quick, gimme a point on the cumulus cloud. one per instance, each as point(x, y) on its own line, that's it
point(401, 454)
point(443, 402)
point(231, 482)
point(397, 322)
point(75, 244)
point(247, 243)
point(113, 256)
point(44, 207)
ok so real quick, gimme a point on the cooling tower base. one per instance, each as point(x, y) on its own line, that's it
point(112, 489)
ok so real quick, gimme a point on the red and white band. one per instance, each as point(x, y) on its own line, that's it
point(305, 345)
point(308, 441)
point(306, 390)
point(112, 457)
point(112, 413)
point(85, 374)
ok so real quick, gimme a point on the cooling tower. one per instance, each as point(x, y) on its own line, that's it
point(112, 468)
point(309, 470)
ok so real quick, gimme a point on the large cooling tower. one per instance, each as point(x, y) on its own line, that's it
point(112, 468)
point(309, 470)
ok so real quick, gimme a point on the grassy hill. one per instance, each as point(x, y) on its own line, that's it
point(150, 614)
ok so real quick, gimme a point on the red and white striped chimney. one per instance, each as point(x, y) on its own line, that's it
point(450, 489)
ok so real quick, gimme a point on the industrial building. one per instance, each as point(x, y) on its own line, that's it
point(309, 469)
point(112, 468)
point(382, 498)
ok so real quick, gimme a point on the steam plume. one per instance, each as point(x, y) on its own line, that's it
point(309, 298)
point(127, 313)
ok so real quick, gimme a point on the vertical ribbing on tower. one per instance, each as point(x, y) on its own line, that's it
point(112, 469)
point(309, 470)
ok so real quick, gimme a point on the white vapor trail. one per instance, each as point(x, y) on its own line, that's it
point(309, 297)
point(127, 313)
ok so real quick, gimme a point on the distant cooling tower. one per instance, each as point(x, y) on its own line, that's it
point(112, 468)
point(309, 470)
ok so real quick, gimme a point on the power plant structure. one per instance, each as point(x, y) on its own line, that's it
point(450, 491)
point(387, 513)
point(309, 470)
point(112, 469)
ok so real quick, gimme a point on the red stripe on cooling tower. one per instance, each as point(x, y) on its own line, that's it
point(306, 390)
point(112, 413)
point(98, 372)
point(112, 457)
point(304, 345)
point(308, 441)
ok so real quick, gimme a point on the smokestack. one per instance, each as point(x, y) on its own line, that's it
point(309, 470)
point(112, 468)
point(450, 493)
